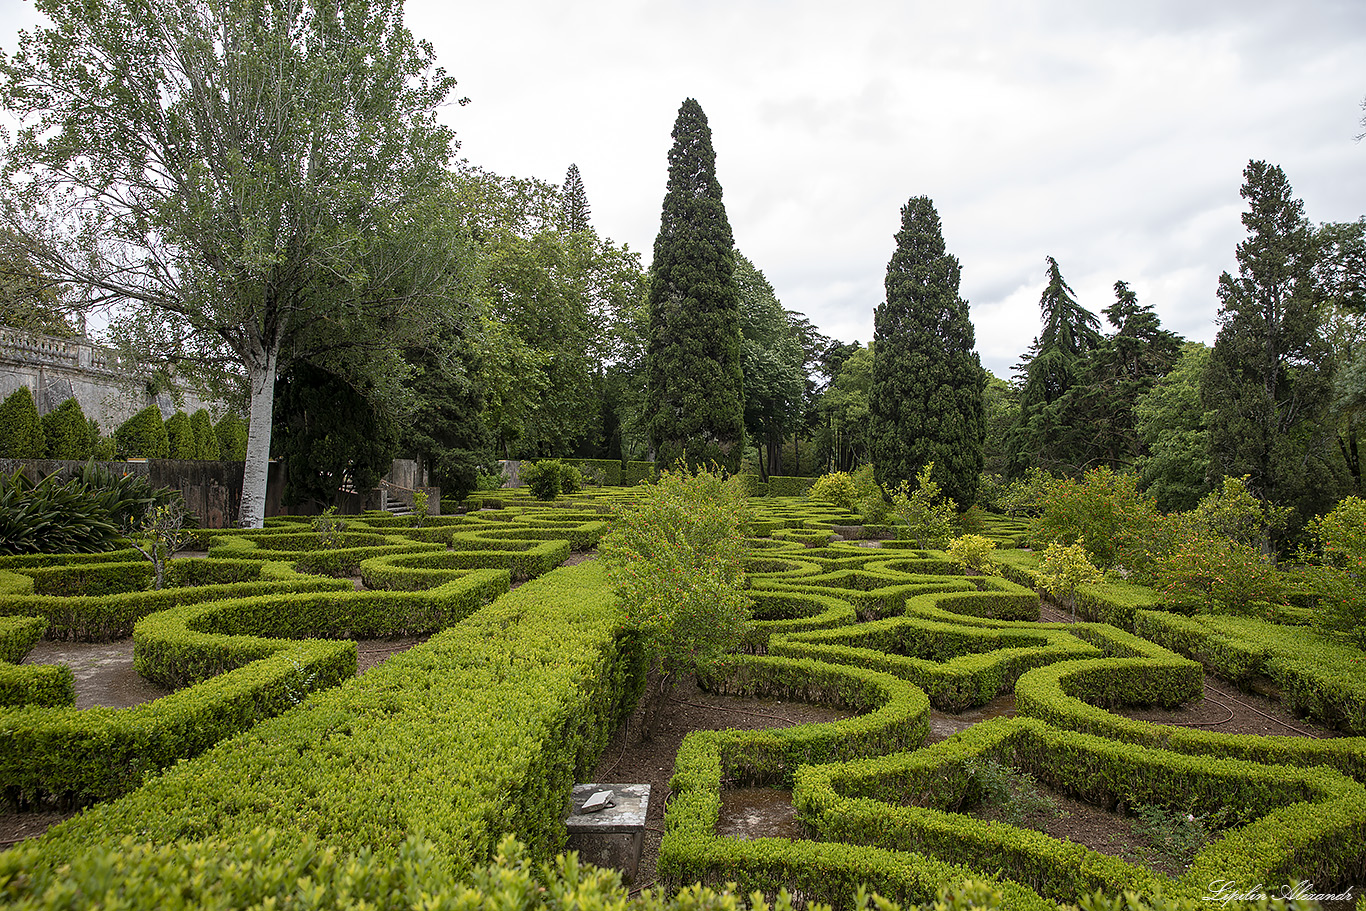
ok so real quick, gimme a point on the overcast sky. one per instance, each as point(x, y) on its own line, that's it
point(1110, 136)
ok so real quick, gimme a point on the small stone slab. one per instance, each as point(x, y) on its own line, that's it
point(613, 836)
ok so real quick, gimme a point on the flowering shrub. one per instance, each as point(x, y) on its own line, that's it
point(1063, 570)
point(1231, 511)
point(972, 552)
point(1216, 571)
point(836, 488)
point(1023, 496)
point(1337, 588)
point(928, 514)
point(676, 562)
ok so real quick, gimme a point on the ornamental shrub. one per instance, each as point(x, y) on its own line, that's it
point(143, 436)
point(1337, 586)
point(972, 552)
point(836, 488)
point(1063, 570)
point(1341, 535)
point(676, 562)
point(549, 478)
point(1215, 571)
point(205, 439)
point(180, 436)
point(231, 431)
point(872, 500)
point(1231, 511)
point(1104, 509)
point(1023, 497)
point(67, 432)
point(52, 517)
point(21, 430)
point(927, 514)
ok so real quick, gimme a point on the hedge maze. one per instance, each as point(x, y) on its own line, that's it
point(414, 771)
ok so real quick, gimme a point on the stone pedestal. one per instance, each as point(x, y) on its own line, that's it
point(610, 837)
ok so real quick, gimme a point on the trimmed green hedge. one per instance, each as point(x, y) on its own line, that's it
point(30, 684)
point(18, 636)
point(410, 572)
point(639, 473)
point(1290, 823)
point(779, 486)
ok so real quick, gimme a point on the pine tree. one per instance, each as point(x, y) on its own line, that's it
point(1269, 379)
point(694, 400)
point(1049, 370)
point(574, 202)
point(926, 401)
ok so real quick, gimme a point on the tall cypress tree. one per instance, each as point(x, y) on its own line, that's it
point(1269, 379)
point(694, 400)
point(926, 399)
point(574, 201)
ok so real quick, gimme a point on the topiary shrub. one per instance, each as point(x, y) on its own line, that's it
point(21, 430)
point(231, 431)
point(67, 432)
point(180, 437)
point(205, 439)
point(545, 479)
point(143, 436)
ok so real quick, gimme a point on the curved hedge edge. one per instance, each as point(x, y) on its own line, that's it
point(1055, 695)
point(195, 642)
point(1315, 674)
point(12, 583)
point(18, 635)
point(802, 612)
point(906, 802)
point(420, 743)
point(81, 756)
point(409, 572)
point(37, 684)
point(102, 619)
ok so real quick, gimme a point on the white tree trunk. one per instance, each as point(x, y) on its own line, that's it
point(252, 513)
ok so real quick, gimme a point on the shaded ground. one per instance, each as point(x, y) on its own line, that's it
point(103, 671)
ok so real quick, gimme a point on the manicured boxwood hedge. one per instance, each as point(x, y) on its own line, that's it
point(779, 486)
point(30, 684)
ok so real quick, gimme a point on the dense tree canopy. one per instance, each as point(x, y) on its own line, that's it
point(773, 367)
point(694, 384)
point(925, 403)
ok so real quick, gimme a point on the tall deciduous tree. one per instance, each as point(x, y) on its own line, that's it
point(773, 365)
point(1269, 379)
point(574, 209)
point(694, 392)
point(1049, 370)
point(925, 403)
point(258, 173)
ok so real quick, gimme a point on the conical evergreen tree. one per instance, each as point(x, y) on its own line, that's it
point(926, 399)
point(574, 202)
point(1049, 370)
point(1269, 379)
point(21, 430)
point(694, 401)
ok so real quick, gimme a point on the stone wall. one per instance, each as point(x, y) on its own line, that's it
point(56, 369)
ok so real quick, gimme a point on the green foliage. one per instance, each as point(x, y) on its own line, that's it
point(1173, 834)
point(836, 488)
point(926, 514)
point(972, 552)
point(1172, 425)
point(773, 368)
point(1103, 508)
point(694, 406)
point(67, 432)
point(1015, 795)
point(1341, 535)
point(844, 410)
point(1336, 587)
point(676, 562)
point(1026, 495)
point(180, 437)
point(488, 480)
point(926, 401)
point(1050, 368)
point(52, 517)
point(421, 511)
point(329, 432)
point(1268, 382)
point(1064, 569)
point(160, 536)
point(1210, 569)
point(143, 436)
point(329, 527)
point(231, 431)
point(872, 500)
point(205, 438)
point(574, 209)
point(549, 478)
point(127, 498)
point(21, 430)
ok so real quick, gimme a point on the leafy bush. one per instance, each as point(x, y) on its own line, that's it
point(160, 537)
point(1024, 496)
point(231, 431)
point(1216, 571)
point(21, 430)
point(1103, 508)
point(927, 514)
point(1342, 535)
point(125, 497)
point(1231, 511)
point(872, 501)
point(67, 432)
point(972, 552)
point(421, 511)
point(329, 527)
point(1063, 570)
point(1335, 586)
point(836, 488)
point(487, 480)
point(143, 436)
point(549, 478)
point(180, 437)
point(1011, 792)
point(205, 438)
point(676, 562)
point(1174, 834)
point(52, 517)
